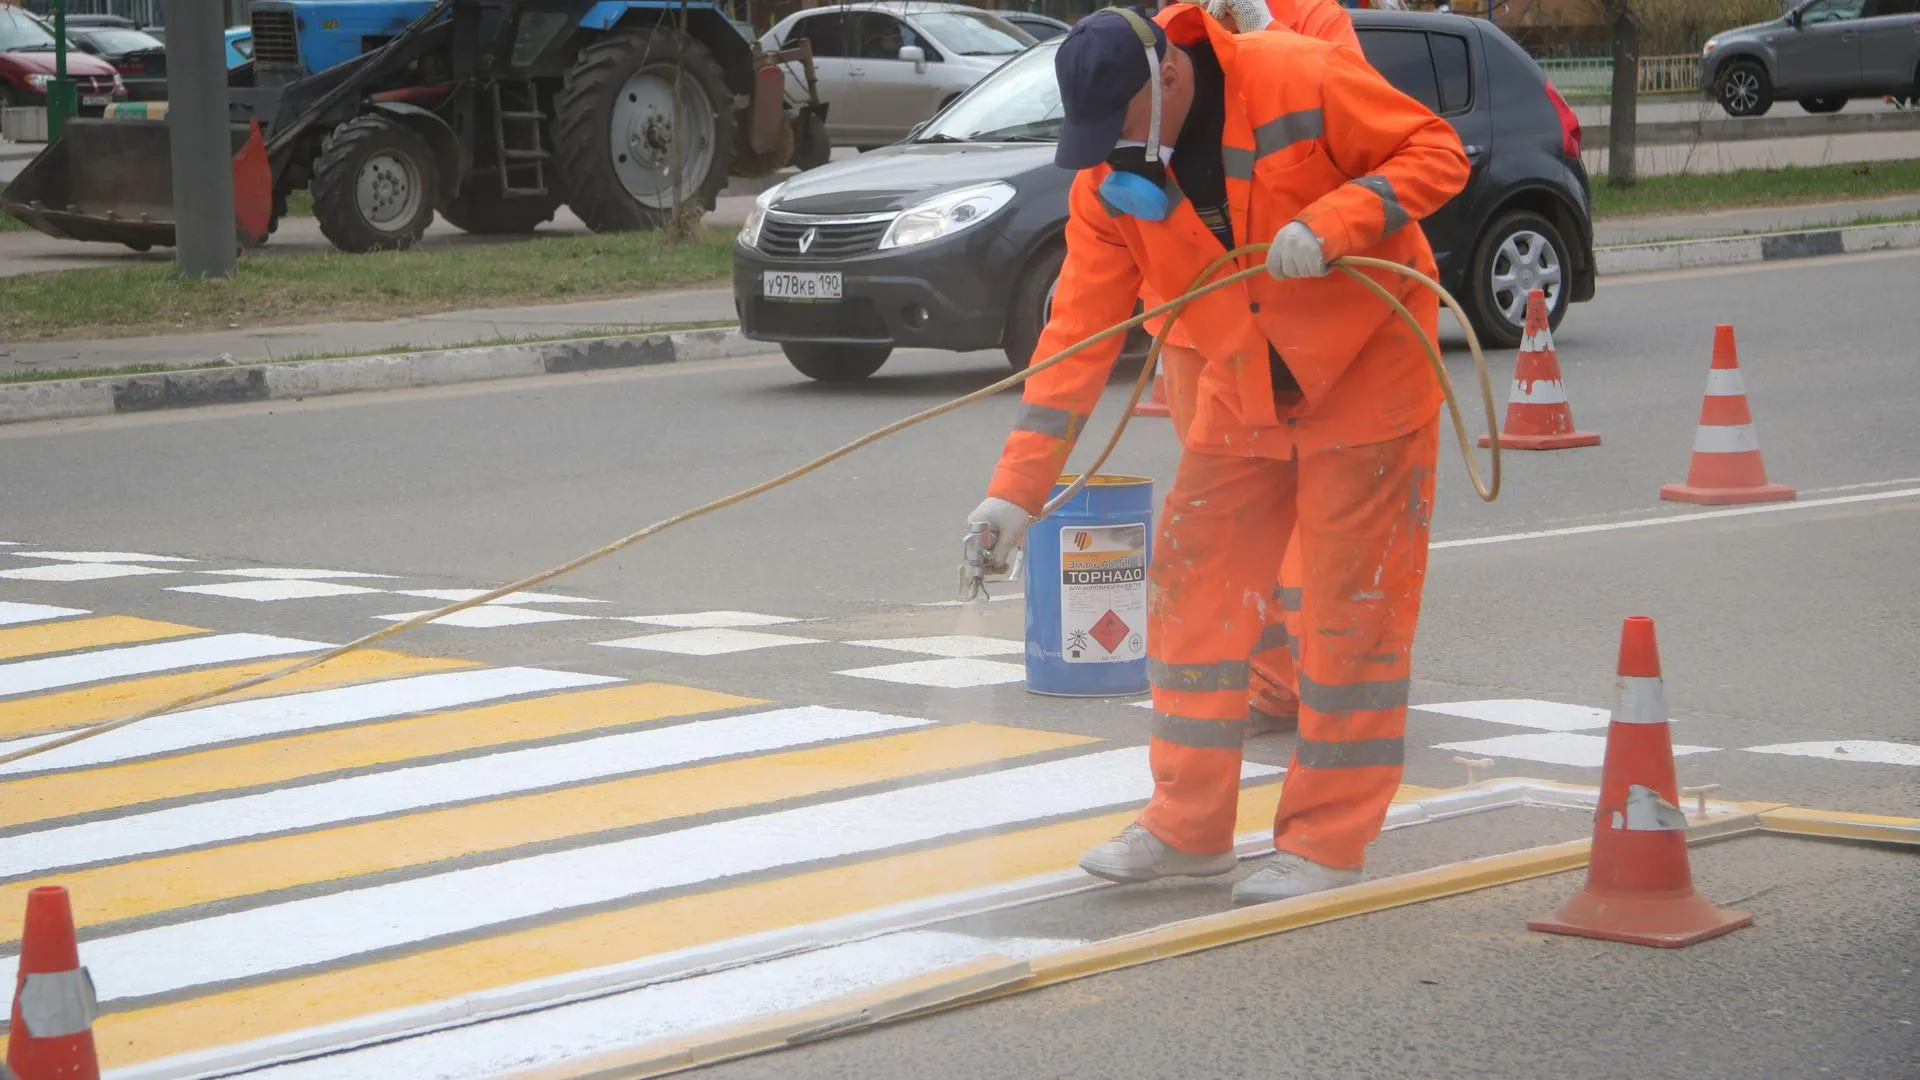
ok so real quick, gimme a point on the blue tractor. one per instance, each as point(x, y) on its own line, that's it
point(492, 113)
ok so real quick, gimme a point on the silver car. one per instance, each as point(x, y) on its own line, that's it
point(1821, 53)
point(886, 67)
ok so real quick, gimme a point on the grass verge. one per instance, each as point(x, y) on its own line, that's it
point(305, 287)
point(1745, 188)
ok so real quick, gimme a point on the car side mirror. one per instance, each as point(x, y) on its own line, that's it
point(915, 55)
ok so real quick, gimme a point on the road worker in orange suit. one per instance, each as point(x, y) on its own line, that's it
point(1274, 701)
point(1315, 407)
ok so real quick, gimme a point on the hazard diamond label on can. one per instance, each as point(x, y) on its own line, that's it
point(1103, 593)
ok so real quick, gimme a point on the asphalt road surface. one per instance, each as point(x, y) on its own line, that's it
point(246, 875)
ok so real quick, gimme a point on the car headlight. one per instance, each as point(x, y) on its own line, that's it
point(39, 82)
point(757, 217)
point(946, 214)
point(1709, 47)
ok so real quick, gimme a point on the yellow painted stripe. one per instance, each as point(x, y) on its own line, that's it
point(614, 937)
point(111, 701)
point(37, 639)
point(198, 877)
point(1842, 825)
point(315, 753)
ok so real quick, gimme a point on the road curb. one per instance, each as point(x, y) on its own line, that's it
point(106, 395)
point(1762, 247)
point(1751, 128)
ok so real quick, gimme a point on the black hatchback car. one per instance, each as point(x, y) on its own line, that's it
point(953, 239)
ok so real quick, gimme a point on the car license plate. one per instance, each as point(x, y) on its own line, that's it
point(97, 99)
point(786, 285)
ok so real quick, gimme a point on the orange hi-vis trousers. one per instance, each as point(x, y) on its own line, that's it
point(1363, 515)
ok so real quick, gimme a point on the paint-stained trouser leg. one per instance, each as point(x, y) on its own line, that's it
point(1215, 558)
point(1275, 686)
point(1364, 521)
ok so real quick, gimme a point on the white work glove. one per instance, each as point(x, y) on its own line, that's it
point(1009, 528)
point(1249, 15)
point(1296, 253)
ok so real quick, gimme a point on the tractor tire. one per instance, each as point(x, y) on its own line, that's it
point(616, 127)
point(816, 147)
point(489, 213)
point(749, 164)
point(373, 186)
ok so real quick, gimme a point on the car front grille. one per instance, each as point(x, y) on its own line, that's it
point(276, 42)
point(830, 239)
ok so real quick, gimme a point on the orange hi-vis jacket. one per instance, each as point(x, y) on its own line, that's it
point(1314, 134)
point(1324, 20)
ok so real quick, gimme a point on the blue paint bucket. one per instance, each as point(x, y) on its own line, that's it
point(1086, 582)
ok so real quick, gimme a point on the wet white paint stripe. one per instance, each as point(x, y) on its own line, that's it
point(1850, 750)
point(12, 614)
point(322, 929)
point(357, 798)
point(1725, 439)
point(1538, 392)
point(34, 676)
point(1679, 519)
point(661, 1011)
point(99, 556)
point(286, 714)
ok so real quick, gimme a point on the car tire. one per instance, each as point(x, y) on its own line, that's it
point(1517, 245)
point(1823, 104)
point(835, 363)
point(1744, 89)
point(1032, 300)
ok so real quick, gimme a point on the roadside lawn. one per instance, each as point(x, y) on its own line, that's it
point(309, 287)
point(1744, 188)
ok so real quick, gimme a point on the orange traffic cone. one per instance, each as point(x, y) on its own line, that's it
point(1538, 416)
point(1726, 466)
point(1639, 885)
point(51, 1036)
point(1156, 401)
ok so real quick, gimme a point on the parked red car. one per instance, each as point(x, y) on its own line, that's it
point(27, 67)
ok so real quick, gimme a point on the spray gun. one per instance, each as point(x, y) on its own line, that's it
point(975, 571)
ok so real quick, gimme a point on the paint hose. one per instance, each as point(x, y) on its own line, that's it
point(1203, 284)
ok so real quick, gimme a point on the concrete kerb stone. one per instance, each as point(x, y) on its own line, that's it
point(1765, 247)
point(105, 395)
point(1750, 128)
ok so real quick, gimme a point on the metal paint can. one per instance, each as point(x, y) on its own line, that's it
point(1086, 590)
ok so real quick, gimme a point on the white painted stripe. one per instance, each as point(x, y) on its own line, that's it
point(77, 571)
point(1538, 392)
point(665, 1010)
point(320, 929)
point(1851, 750)
point(12, 613)
point(1728, 439)
point(220, 821)
point(1522, 712)
point(268, 590)
point(1639, 699)
point(292, 573)
point(286, 714)
point(1552, 748)
point(1725, 382)
point(1679, 519)
point(33, 676)
point(98, 556)
point(1868, 486)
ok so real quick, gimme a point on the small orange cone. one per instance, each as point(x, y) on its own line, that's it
point(51, 1035)
point(1726, 466)
point(1156, 401)
point(1538, 416)
point(1639, 886)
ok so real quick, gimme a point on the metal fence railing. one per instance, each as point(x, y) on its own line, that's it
point(1658, 74)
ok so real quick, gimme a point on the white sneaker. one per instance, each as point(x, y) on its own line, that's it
point(1138, 855)
point(1288, 876)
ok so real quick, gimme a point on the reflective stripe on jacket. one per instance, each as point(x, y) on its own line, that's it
point(1313, 134)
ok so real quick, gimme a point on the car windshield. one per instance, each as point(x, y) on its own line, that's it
point(21, 34)
point(1019, 102)
point(123, 41)
point(973, 33)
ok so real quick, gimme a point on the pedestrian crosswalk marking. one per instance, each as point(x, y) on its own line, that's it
point(58, 672)
point(273, 761)
point(241, 721)
point(41, 639)
point(68, 709)
point(175, 882)
point(629, 934)
point(12, 612)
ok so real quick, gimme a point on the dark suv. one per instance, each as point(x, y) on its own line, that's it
point(953, 238)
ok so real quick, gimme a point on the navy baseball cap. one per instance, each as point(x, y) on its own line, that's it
point(1100, 66)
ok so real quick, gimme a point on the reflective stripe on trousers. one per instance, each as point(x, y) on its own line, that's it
point(1362, 515)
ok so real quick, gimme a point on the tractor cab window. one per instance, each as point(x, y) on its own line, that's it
point(18, 33)
point(826, 33)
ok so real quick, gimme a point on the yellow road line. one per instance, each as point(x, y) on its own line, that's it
point(198, 877)
point(614, 937)
point(37, 639)
point(1840, 825)
point(111, 701)
point(316, 753)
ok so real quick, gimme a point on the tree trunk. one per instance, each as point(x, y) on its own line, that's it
point(1625, 98)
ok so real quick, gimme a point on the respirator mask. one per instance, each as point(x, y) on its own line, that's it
point(1137, 184)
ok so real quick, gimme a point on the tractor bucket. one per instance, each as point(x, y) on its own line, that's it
point(111, 181)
